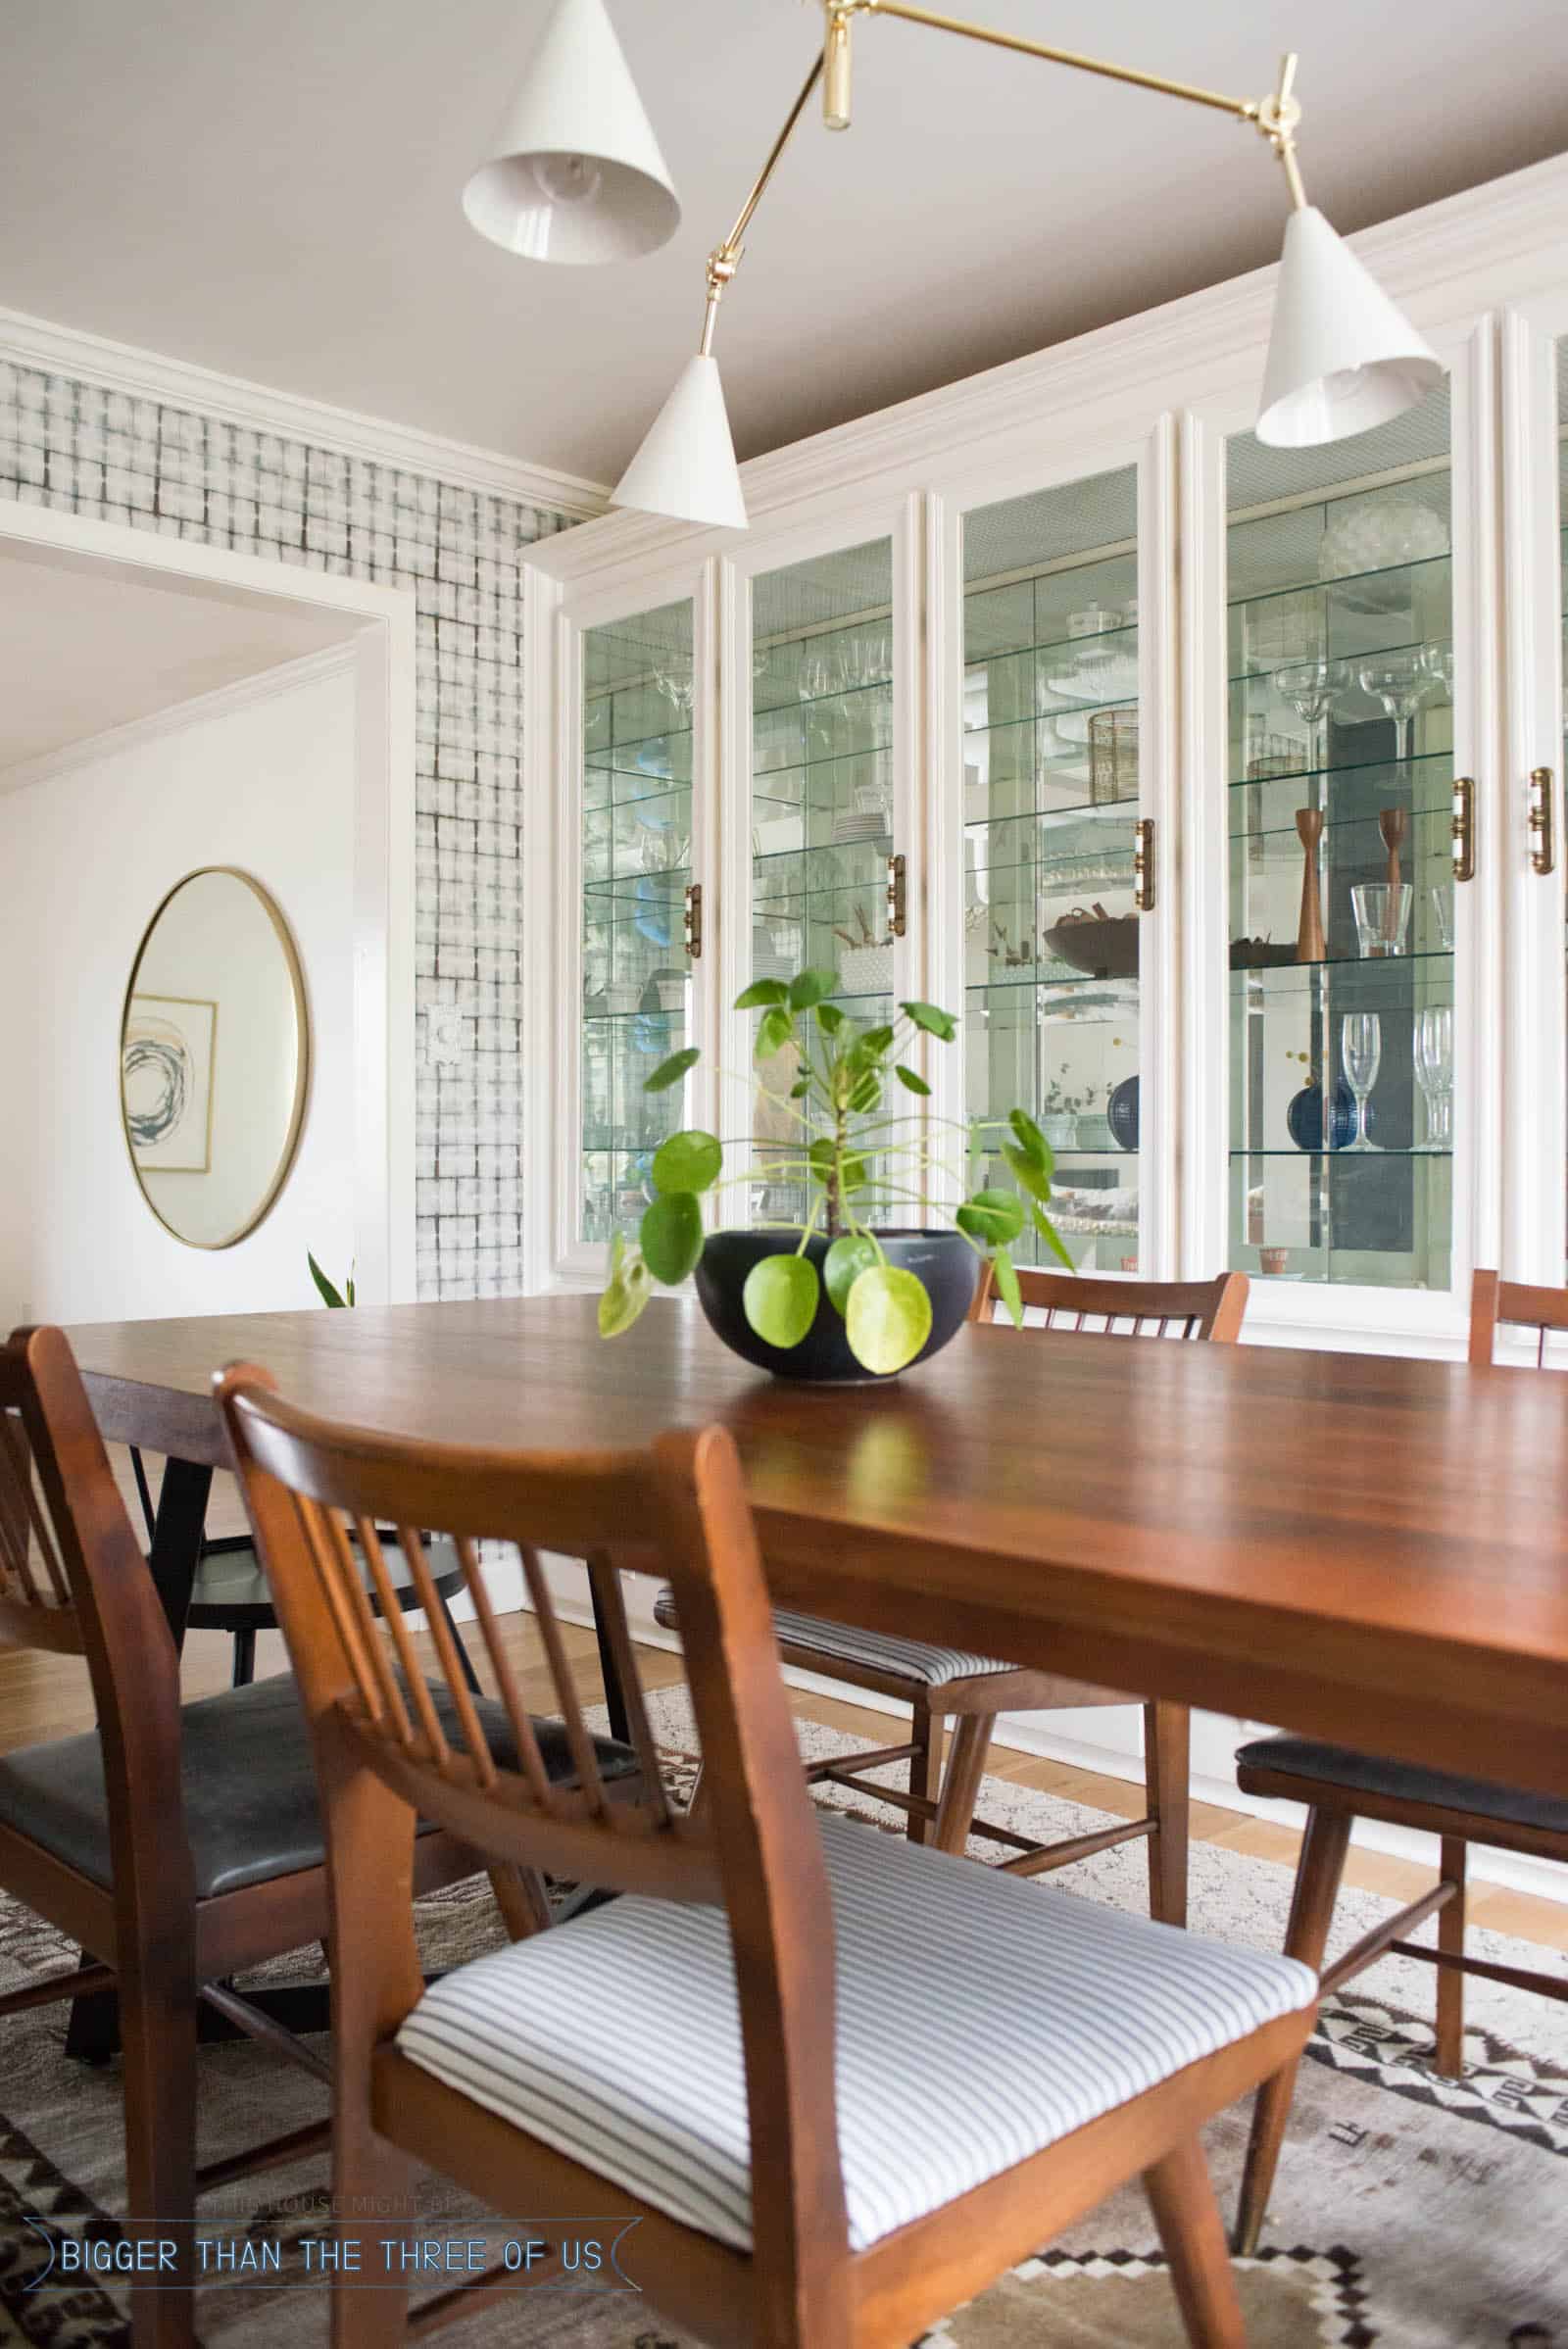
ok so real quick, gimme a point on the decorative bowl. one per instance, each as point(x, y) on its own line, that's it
point(945, 1262)
point(1106, 946)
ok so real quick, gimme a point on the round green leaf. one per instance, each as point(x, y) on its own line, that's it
point(670, 1072)
point(992, 1216)
point(829, 1018)
point(671, 1233)
point(1028, 1173)
point(1030, 1139)
point(888, 1318)
point(908, 1080)
point(624, 1298)
point(1008, 1287)
point(850, 1255)
point(811, 988)
point(780, 1298)
point(689, 1160)
point(871, 1045)
point(761, 995)
point(933, 1019)
point(774, 1029)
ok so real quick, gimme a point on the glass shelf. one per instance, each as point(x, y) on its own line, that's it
point(1382, 1216)
point(637, 792)
point(1050, 801)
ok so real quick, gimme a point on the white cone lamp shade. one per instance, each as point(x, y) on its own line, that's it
point(686, 466)
point(575, 175)
point(1341, 357)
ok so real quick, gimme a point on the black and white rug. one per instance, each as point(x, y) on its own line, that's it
point(1410, 2212)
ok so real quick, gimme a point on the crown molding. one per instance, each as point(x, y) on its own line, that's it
point(310, 668)
point(1461, 245)
point(176, 383)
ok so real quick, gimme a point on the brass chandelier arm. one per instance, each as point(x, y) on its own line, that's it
point(1247, 109)
point(1275, 117)
point(724, 260)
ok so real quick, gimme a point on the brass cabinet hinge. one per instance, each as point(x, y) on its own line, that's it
point(1144, 864)
point(693, 928)
point(896, 896)
point(1464, 828)
point(1542, 821)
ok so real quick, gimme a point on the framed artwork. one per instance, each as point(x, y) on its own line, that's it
point(167, 1082)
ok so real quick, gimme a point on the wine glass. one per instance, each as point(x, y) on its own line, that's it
point(1362, 1050)
point(1400, 682)
point(1434, 1072)
point(1311, 687)
point(1438, 661)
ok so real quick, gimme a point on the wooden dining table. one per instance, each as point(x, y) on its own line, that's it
point(1356, 1546)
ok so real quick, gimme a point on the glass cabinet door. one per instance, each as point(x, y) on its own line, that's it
point(821, 815)
point(636, 864)
point(1342, 873)
point(1051, 792)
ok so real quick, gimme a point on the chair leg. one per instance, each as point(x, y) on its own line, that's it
point(1167, 1777)
point(960, 1781)
point(244, 1660)
point(1317, 1886)
point(925, 1770)
point(158, 2032)
point(1193, 2237)
point(464, 1657)
point(1449, 2053)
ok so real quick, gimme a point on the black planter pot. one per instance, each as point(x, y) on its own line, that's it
point(944, 1261)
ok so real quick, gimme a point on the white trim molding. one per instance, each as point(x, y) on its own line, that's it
point(307, 668)
point(178, 383)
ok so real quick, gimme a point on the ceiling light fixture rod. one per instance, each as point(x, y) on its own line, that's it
point(724, 260)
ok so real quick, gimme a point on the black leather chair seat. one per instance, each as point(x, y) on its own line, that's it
point(1373, 1775)
point(249, 1786)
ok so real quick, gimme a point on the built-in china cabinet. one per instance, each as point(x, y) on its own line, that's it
point(1216, 787)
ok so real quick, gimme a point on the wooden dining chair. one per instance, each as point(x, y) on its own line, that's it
point(943, 1684)
point(1340, 1786)
point(178, 1846)
point(742, 2053)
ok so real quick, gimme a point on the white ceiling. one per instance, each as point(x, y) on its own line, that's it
point(270, 187)
point(84, 649)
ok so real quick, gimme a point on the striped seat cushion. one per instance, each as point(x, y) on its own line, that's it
point(980, 2018)
point(873, 1651)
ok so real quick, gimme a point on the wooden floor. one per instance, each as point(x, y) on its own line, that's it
point(44, 1696)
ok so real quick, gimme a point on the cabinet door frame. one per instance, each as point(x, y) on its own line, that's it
point(954, 494)
point(556, 1105)
point(1355, 1317)
point(829, 529)
point(1535, 1007)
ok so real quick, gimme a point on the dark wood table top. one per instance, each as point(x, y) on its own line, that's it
point(1361, 1546)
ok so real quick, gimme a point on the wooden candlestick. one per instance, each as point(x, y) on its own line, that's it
point(1310, 945)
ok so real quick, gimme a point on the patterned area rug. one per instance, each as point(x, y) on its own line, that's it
point(1409, 2212)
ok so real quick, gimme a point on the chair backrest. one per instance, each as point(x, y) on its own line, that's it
point(315, 1490)
point(72, 1579)
point(1075, 1301)
point(1495, 1301)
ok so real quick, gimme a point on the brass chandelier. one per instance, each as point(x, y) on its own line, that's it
point(577, 176)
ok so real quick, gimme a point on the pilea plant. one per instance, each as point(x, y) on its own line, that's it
point(858, 1159)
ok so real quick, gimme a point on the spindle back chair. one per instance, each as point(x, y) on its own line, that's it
point(757, 1850)
point(177, 1847)
point(1128, 1308)
point(1338, 1787)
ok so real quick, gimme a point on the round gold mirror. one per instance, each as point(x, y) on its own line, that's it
point(214, 1057)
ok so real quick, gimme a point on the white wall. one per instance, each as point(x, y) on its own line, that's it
point(85, 858)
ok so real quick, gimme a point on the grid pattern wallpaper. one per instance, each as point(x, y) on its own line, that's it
point(117, 459)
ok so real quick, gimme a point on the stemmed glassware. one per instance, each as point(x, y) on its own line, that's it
point(1362, 1050)
point(1311, 687)
point(1438, 661)
point(1434, 1072)
point(1401, 682)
